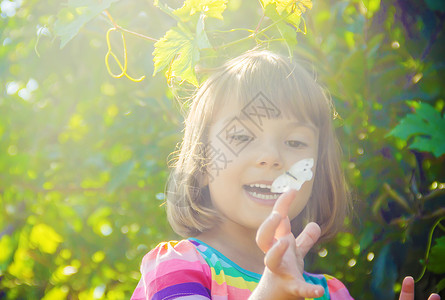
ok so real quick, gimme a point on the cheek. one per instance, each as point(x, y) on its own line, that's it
point(223, 162)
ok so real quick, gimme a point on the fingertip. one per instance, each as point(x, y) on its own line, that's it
point(408, 280)
point(319, 291)
point(309, 291)
point(408, 284)
point(314, 226)
point(309, 236)
point(434, 296)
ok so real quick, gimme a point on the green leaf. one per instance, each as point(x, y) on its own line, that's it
point(6, 249)
point(202, 40)
point(178, 52)
point(427, 128)
point(437, 5)
point(440, 286)
point(210, 8)
point(56, 293)
point(72, 18)
point(45, 238)
point(436, 260)
point(384, 274)
point(372, 7)
point(290, 7)
point(288, 33)
point(367, 236)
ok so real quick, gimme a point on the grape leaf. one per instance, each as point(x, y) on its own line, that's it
point(436, 261)
point(290, 9)
point(426, 126)
point(178, 52)
point(210, 8)
point(72, 18)
point(288, 33)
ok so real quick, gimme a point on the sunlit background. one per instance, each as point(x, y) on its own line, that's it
point(83, 155)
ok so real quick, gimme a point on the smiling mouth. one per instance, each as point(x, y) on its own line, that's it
point(261, 191)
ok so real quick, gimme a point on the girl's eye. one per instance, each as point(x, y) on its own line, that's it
point(295, 144)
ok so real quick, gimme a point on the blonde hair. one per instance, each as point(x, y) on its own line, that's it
point(292, 89)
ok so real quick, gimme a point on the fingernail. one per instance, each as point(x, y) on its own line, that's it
point(317, 293)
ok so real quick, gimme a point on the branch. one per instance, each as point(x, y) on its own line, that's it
point(436, 214)
point(128, 31)
point(427, 49)
point(398, 198)
point(435, 193)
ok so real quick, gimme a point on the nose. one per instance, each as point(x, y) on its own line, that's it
point(269, 156)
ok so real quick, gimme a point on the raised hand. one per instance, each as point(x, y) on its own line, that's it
point(407, 292)
point(283, 275)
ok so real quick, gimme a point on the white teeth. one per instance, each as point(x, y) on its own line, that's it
point(260, 185)
point(265, 197)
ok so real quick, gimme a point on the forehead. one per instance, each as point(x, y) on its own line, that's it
point(260, 108)
point(258, 118)
point(266, 89)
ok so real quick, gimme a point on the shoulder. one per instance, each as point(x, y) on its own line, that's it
point(170, 252)
point(173, 268)
point(334, 287)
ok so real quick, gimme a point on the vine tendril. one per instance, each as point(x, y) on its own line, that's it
point(427, 252)
point(111, 53)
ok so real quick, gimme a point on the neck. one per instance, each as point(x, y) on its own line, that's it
point(237, 243)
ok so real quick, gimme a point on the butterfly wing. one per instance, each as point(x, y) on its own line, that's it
point(281, 184)
point(299, 173)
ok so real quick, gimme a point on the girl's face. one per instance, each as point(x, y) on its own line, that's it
point(248, 148)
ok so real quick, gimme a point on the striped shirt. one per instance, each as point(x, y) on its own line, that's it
point(190, 269)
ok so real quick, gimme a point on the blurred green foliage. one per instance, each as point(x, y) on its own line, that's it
point(83, 158)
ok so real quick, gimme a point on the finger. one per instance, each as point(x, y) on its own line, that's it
point(434, 297)
point(307, 238)
point(266, 232)
point(407, 292)
point(274, 256)
point(307, 290)
point(284, 228)
point(283, 202)
point(282, 207)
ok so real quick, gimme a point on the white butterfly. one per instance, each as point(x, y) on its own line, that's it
point(298, 174)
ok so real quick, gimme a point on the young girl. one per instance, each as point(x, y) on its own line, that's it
point(251, 122)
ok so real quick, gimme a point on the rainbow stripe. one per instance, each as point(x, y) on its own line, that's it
point(190, 269)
